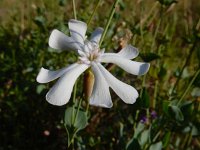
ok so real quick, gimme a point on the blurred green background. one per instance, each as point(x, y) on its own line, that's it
point(166, 32)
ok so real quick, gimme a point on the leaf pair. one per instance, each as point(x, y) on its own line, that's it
point(74, 121)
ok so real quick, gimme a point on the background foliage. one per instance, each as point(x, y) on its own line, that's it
point(166, 116)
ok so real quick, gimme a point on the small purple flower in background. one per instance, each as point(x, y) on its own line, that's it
point(154, 114)
point(144, 120)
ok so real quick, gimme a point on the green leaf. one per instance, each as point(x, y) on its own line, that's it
point(81, 119)
point(166, 139)
point(62, 2)
point(198, 51)
point(138, 130)
point(197, 81)
point(144, 137)
point(74, 121)
point(177, 112)
point(167, 2)
point(187, 108)
point(145, 98)
point(187, 129)
point(40, 88)
point(133, 144)
point(147, 57)
point(196, 92)
point(195, 131)
point(40, 21)
point(122, 4)
point(186, 103)
point(185, 73)
point(165, 106)
point(162, 72)
point(154, 71)
point(156, 146)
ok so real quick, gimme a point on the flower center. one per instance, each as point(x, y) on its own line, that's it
point(93, 55)
point(89, 53)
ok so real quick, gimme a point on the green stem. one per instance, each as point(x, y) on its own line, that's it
point(157, 81)
point(184, 141)
point(145, 19)
point(159, 53)
point(190, 84)
point(198, 25)
point(74, 9)
point(186, 63)
point(87, 107)
point(108, 22)
point(79, 104)
point(74, 93)
point(97, 5)
point(143, 85)
point(155, 94)
point(136, 118)
point(155, 35)
point(156, 136)
point(71, 142)
point(141, 25)
point(74, 98)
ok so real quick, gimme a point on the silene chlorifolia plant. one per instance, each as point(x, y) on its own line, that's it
point(90, 57)
point(151, 130)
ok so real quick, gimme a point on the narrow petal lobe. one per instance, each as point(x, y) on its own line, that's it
point(46, 75)
point(77, 30)
point(126, 92)
point(60, 41)
point(133, 67)
point(100, 94)
point(60, 93)
point(96, 35)
point(129, 52)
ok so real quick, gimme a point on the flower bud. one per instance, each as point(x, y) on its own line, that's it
point(88, 83)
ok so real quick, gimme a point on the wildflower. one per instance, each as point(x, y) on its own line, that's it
point(144, 120)
point(90, 55)
point(154, 114)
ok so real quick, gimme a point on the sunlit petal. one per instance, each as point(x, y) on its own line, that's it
point(96, 35)
point(60, 41)
point(60, 93)
point(77, 30)
point(133, 67)
point(126, 92)
point(100, 94)
point(46, 75)
point(129, 52)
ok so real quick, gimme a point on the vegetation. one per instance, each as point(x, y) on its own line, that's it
point(167, 114)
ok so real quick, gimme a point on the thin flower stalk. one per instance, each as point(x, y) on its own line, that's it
point(189, 85)
point(93, 13)
point(108, 22)
point(185, 64)
point(74, 9)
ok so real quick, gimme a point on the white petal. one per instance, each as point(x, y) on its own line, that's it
point(77, 30)
point(60, 41)
point(96, 35)
point(46, 75)
point(100, 94)
point(129, 52)
point(82, 54)
point(60, 93)
point(126, 92)
point(133, 67)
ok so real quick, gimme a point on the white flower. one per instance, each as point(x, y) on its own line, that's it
point(90, 55)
